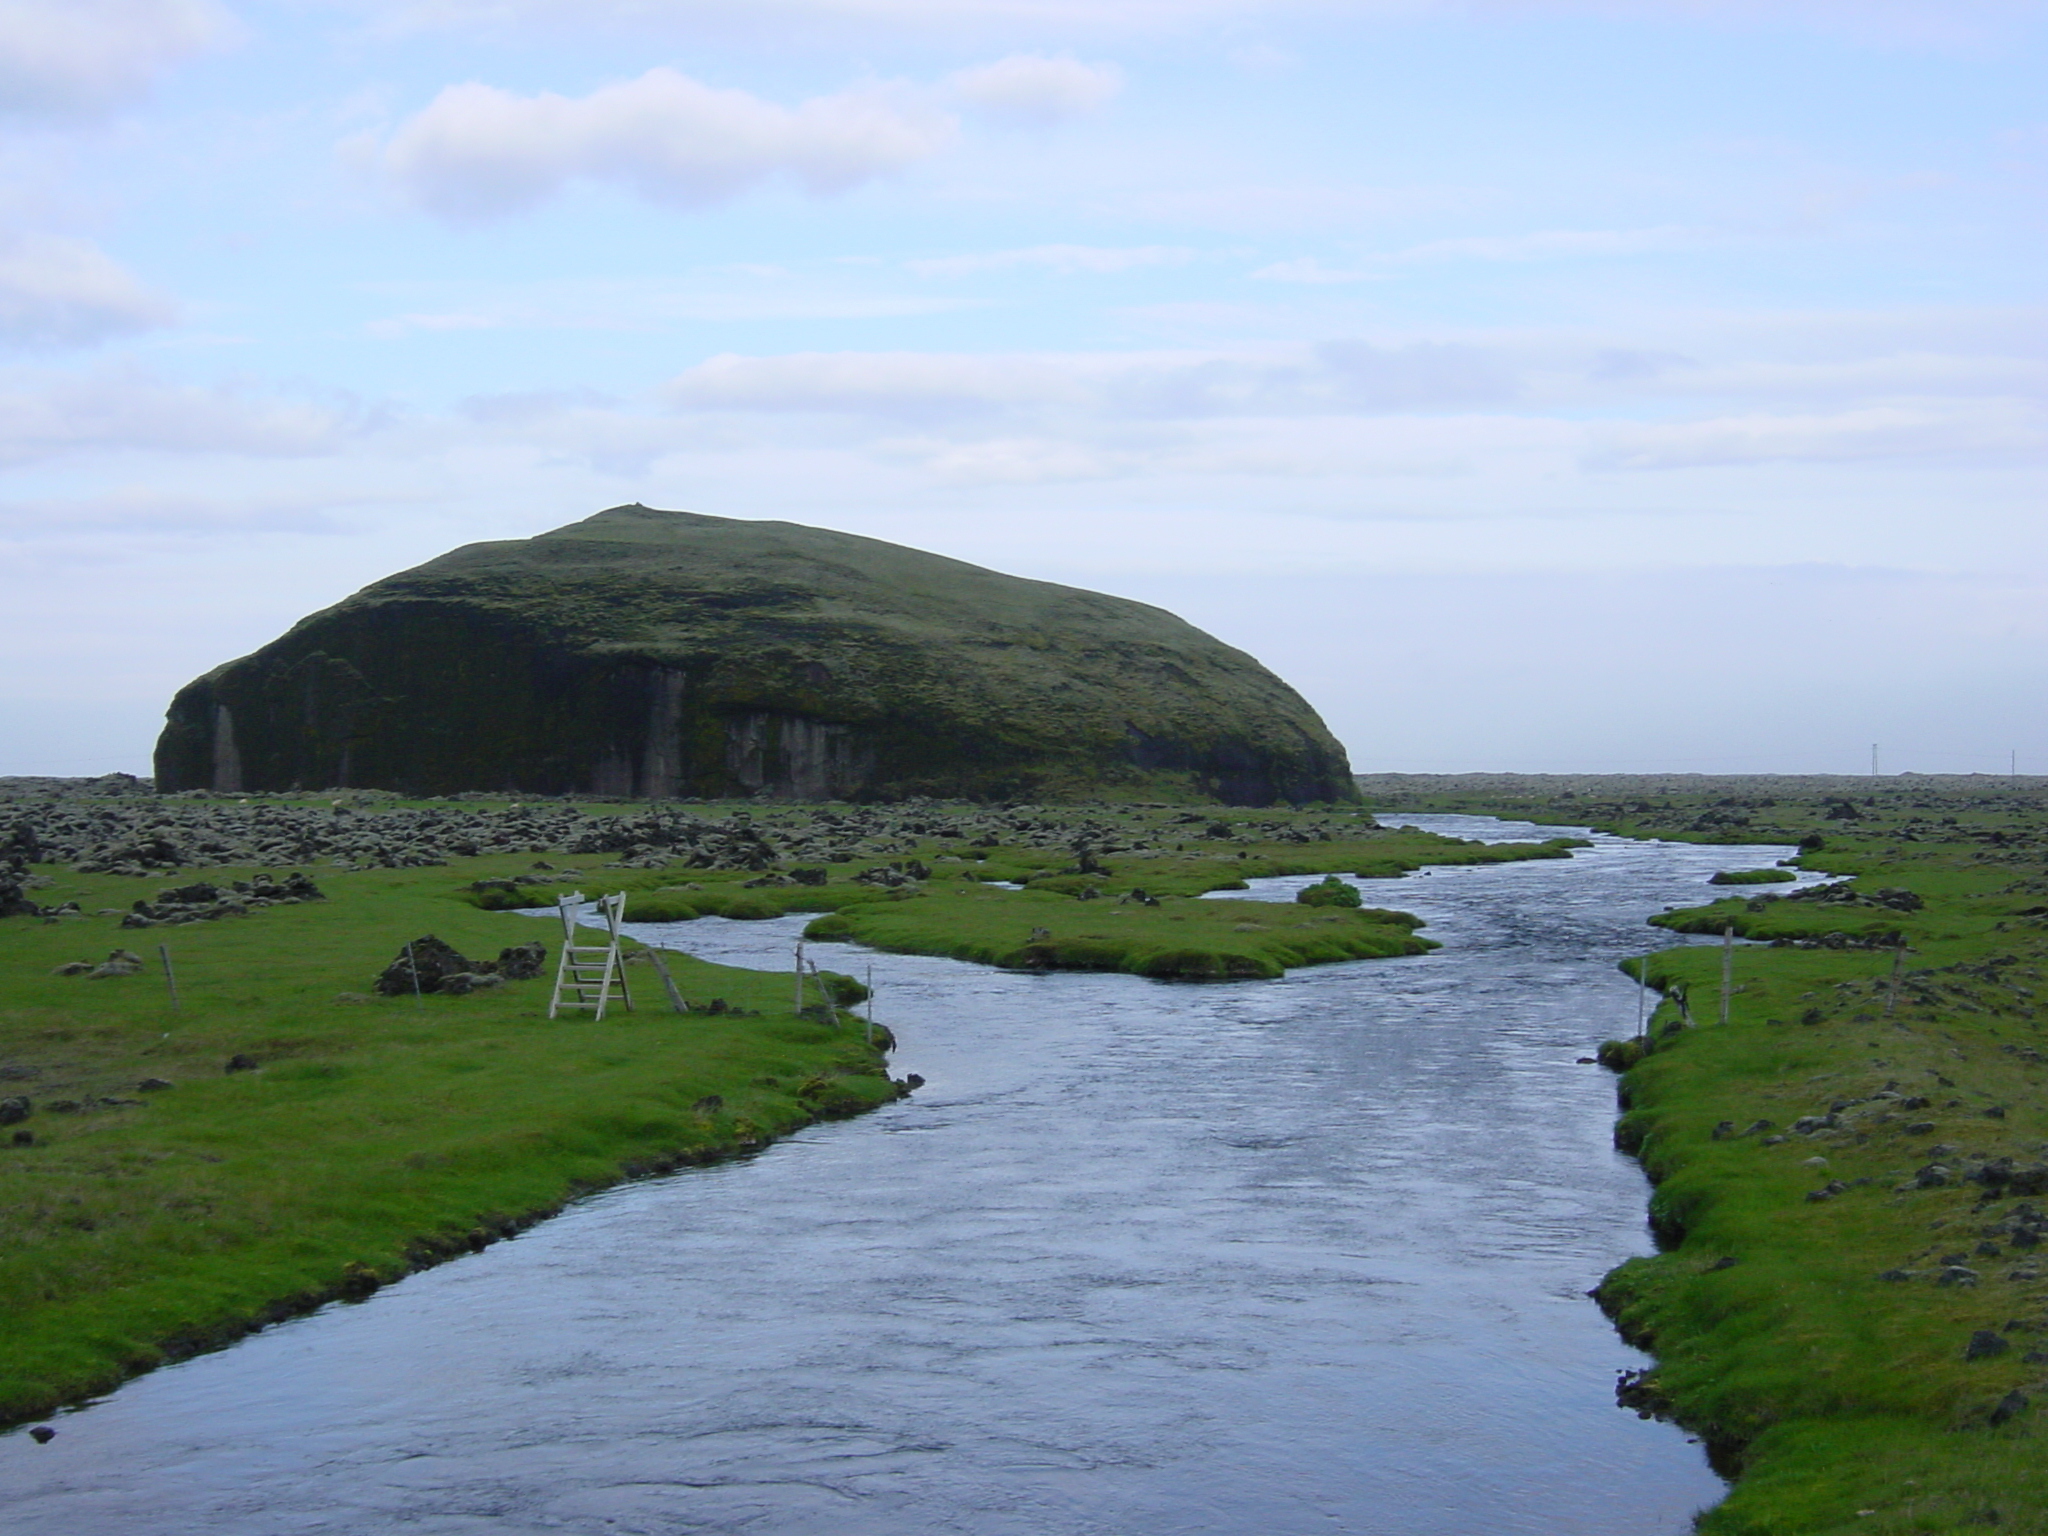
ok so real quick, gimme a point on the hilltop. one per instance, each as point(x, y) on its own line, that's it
point(652, 654)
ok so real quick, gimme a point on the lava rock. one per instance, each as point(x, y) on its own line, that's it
point(1986, 1345)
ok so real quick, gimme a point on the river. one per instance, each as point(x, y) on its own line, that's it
point(1140, 1259)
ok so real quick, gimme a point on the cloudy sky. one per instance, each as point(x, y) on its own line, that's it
point(1573, 385)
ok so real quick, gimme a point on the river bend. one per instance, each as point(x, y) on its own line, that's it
point(1141, 1259)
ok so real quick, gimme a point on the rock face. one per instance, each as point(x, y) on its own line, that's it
point(662, 654)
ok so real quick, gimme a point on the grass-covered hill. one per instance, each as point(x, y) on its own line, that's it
point(661, 654)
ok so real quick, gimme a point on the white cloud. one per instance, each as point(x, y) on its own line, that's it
point(1067, 260)
point(1550, 244)
point(476, 151)
point(1035, 90)
point(1876, 432)
point(1307, 269)
point(1347, 377)
point(1900, 20)
point(56, 291)
point(65, 58)
point(1541, 245)
point(46, 415)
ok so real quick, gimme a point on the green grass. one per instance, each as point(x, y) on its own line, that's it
point(377, 1134)
point(1189, 939)
point(1843, 1400)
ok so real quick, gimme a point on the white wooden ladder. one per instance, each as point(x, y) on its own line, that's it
point(590, 974)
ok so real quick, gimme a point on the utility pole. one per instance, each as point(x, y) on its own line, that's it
point(1873, 759)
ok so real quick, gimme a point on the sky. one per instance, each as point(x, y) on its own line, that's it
point(1537, 385)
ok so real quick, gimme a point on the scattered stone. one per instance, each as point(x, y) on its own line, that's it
point(15, 1110)
point(42, 1434)
point(2009, 1407)
point(523, 962)
point(1985, 1345)
point(1957, 1274)
point(152, 1085)
point(1899, 1275)
point(710, 1104)
point(462, 983)
point(442, 968)
point(119, 962)
point(24, 1138)
point(240, 1063)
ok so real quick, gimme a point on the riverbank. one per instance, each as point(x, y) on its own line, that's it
point(173, 1176)
point(1851, 1304)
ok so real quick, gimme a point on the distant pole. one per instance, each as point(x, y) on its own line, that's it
point(1873, 759)
point(163, 952)
point(2014, 772)
point(1727, 968)
point(871, 1005)
point(799, 975)
point(1891, 1000)
point(1642, 996)
point(413, 965)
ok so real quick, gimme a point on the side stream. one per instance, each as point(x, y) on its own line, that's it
point(1256, 1258)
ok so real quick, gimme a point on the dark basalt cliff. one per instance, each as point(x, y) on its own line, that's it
point(664, 654)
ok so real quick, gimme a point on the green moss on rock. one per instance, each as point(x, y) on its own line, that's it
point(666, 654)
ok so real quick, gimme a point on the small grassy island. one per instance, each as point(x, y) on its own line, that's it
point(285, 1134)
point(1851, 1304)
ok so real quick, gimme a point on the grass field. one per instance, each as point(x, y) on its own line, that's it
point(372, 1135)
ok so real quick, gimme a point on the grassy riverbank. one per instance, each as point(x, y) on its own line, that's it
point(1851, 1197)
point(373, 1135)
point(358, 1136)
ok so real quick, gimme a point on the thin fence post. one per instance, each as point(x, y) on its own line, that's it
point(1642, 996)
point(163, 952)
point(825, 992)
point(1891, 999)
point(668, 982)
point(1727, 969)
point(799, 975)
point(412, 964)
point(871, 1005)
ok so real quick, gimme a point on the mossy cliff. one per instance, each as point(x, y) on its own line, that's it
point(662, 654)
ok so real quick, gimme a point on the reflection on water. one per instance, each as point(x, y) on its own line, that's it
point(1259, 1258)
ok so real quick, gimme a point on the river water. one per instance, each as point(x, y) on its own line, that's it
point(1140, 1259)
